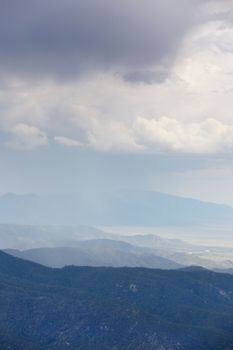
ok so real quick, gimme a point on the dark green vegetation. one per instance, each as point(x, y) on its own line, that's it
point(105, 308)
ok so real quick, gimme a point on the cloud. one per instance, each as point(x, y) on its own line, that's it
point(66, 38)
point(100, 110)
point(146, 76)
point(26, 137)
point(102, 114)
point(161, 135)
point(62, 140)
point(166, 134)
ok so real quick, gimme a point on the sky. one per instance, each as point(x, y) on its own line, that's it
point(104, 95)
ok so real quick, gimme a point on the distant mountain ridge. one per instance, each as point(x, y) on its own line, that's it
point(101, 252)
point(54, 246)
point(23, 237)
point(142, 208)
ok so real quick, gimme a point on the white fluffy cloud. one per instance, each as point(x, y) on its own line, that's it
point(102, 114)
point(166, 134)
point(66, 141)
point(26, 137)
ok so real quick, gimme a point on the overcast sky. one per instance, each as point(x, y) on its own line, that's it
point(101, 95)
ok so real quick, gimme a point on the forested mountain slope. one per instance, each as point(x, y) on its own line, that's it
point(107, 308)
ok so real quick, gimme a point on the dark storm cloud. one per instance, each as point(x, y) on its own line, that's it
point(146, 76)
point(64, 38)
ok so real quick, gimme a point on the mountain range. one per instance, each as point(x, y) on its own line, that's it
point(84, 308)
point(58, 246)
point(128, 208)
point(101, 252)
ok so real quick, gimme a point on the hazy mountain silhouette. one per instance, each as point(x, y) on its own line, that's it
point(123, 208)
point(96, 253)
